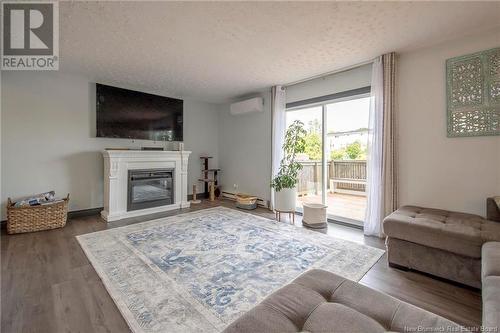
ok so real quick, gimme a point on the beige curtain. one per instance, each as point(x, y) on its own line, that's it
point(389, 150)
point(382, 184)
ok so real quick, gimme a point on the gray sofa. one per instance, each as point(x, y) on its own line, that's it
point(320, 301)
point(457, 246)
point(491, 286)
point(439, 242)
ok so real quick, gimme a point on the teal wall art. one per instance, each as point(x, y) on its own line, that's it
point(473, 94)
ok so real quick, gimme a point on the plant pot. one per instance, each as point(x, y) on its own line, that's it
point(285, 200)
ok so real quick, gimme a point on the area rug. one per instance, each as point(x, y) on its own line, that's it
point(199, 271)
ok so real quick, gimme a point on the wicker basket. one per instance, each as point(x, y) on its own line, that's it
point(246, 201)
point(36, 218)
point(314, 215)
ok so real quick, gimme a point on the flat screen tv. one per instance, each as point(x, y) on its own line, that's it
point(123, 113)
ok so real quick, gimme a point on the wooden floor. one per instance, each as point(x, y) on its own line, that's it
point(48, 285)
point(340, 204)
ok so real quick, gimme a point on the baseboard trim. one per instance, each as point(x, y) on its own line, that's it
point(346, 224)
point(332, 220)
point(199, 196)
point(84, 212)
point(72, 214)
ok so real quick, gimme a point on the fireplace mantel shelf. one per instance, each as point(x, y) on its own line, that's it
point(117, 163)
point(147, 154)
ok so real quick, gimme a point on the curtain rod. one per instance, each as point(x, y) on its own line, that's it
point(343, 69)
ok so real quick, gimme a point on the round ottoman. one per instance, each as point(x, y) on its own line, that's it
point(314, 216)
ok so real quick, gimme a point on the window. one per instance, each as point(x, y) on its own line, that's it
point(309, 188)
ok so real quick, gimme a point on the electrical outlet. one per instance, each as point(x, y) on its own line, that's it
point(235, 186)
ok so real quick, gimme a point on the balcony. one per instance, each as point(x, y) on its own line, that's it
point(346, 186)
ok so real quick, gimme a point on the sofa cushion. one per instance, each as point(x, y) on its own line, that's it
point(334, 317)
point(490, 270)
point(490, 263)
point(490, 231)
point(320, 301)
point(459, 233)
point(491, 302)
point(295, 303)
point(378, 306)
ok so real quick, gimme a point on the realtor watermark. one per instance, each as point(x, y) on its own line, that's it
point(450, 329)
point(30, 35)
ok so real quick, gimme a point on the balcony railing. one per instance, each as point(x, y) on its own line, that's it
point(344, 176)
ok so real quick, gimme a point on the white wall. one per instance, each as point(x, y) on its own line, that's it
point(245, 150)
point(436, 171)
point(48, 137)
point(201, 135)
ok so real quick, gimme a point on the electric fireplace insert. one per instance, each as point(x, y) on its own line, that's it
point(150, 188)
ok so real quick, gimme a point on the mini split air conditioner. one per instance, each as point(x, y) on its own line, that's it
point(255, 104)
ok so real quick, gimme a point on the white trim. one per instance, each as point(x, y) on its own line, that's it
point(327, 102)
point(345, 220)
point(134, 213)
point(324, 168)
point(340, 70)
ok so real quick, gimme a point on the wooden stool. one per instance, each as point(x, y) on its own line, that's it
point(291, 215)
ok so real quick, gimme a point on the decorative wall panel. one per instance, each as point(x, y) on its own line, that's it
point(473, 94)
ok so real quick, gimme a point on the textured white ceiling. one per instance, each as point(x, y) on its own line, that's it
point(215, 51)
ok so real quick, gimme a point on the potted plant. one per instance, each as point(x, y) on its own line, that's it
point(284, 183)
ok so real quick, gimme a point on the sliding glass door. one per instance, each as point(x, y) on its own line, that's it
point(346, 149)
point(334, 164)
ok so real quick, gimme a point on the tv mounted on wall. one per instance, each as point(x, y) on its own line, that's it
point(123, 113)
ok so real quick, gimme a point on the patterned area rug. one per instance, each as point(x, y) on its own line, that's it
point(197, 272)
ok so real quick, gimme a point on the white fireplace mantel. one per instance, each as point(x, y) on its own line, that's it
point(116, 166)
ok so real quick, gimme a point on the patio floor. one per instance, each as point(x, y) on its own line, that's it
point(340, 204)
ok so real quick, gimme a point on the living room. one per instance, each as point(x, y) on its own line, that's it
point(318, 166)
